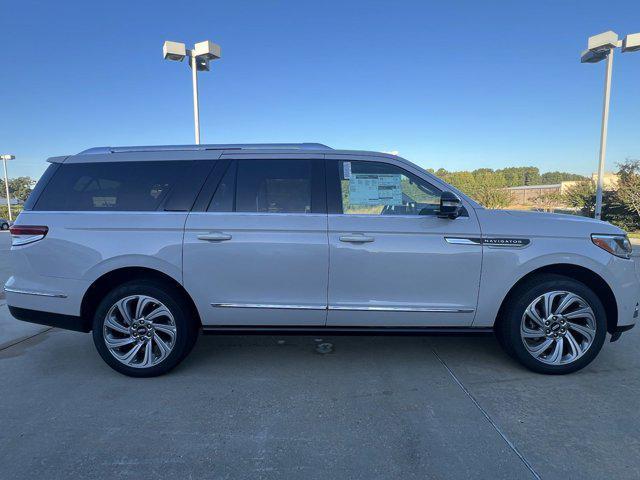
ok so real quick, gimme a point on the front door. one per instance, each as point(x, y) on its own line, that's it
point(258, 252)
point(393, 261)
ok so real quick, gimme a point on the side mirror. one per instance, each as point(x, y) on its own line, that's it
point(450, 205)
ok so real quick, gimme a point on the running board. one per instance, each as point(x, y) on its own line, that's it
point(319, 330)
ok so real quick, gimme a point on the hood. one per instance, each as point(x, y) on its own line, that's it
point(520, 222)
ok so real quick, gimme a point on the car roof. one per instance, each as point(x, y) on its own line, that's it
point(206, 151)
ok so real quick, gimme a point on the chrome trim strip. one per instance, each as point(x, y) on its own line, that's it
point(463, 241)
point(267, 305)
point(34, 292)
point(404, 309)
point(343, 308)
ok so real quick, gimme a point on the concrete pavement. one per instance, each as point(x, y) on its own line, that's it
point(272, 407)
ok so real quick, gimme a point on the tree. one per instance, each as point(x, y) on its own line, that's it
point(582, 196)
point(548, 202)
point(629, 186)
point(19, 187)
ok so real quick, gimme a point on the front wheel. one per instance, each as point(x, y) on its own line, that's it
point(4, 226)
point(143, 329)
point(553, 324)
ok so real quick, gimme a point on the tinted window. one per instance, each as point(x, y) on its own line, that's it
point(374, 188)
point(115, 186)
point(42, 183)
point(223, 199)
point(265, 186)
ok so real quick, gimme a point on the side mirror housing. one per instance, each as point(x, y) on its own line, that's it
point(450, 205)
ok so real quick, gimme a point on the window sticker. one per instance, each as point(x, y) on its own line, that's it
point(375, 189)
point(347, 170)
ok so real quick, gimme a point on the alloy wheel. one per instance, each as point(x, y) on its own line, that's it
point(558, 327)
point(139, 331)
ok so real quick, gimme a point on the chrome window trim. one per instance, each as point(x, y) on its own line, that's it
point(34, 292)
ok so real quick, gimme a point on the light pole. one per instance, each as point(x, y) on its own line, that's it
point(599, 47)
point(199, 58)
point(6, 182)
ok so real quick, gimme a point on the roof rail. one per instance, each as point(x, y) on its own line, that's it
point(228, 146)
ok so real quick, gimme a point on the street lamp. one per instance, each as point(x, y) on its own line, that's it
point(599, 47)
point(199, 58)
point(6, 181)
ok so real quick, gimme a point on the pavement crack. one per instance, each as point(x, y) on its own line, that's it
point(487, 416)
point(13, 344)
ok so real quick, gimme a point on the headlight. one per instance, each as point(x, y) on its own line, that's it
point(618, 245)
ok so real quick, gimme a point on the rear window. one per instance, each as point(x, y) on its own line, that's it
point(114, 186)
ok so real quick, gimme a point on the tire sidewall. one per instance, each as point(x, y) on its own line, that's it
point(533, 290)
point(185, 329)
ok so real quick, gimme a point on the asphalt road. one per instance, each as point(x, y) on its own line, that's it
point(273, 407)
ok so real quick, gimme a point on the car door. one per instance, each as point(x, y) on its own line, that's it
point(393, 261)
point(257, 252)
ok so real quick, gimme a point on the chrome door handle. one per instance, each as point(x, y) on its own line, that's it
point(356, 239)
point(215, 237)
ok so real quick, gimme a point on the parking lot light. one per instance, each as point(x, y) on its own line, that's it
point(199, 58)
point(6, 181)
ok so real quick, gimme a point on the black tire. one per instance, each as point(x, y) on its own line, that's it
point(508, 326)
point(5, 226)
point(187, 327)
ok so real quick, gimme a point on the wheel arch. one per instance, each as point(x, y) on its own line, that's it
point(107, 281)
point(582, 274)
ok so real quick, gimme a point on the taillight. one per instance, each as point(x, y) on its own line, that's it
point(23, 234)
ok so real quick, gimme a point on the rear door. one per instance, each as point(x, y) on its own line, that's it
point(393, 261)
point(256, 250)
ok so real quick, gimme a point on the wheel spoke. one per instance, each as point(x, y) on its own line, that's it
point(162, 346)
point(556, 356)
point(129, 356)
point(124, 310)
point(147, 360)
point(113, 324)
point(576, 349)
point(142, 303)
point(527, 332)
point(532, 313)
point(168, 329)
point(584, 312)
point(587, 332)
point(159, 312)
point(538, 350)
point(566, 302)
point(118, 342)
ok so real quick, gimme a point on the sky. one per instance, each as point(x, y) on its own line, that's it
point(458, 85)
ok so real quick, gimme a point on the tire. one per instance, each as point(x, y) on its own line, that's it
point(5, 226)
point(527, 325)
point(162, 335)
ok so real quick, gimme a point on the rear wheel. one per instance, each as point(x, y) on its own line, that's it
point(143, 328)
point(553, 324)
point(4, 226)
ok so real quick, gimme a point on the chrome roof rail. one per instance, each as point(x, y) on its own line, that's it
point(229, 146)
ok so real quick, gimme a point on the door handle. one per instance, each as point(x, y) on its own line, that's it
point(356, 239)
point(215, 237)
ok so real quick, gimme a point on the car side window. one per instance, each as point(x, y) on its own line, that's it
point(376, 188)
point(111, 186)
point(265, 186)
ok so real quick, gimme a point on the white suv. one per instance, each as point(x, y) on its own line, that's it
point(148, 246)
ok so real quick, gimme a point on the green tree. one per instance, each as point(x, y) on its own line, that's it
point(629, 186)
point(19, 187)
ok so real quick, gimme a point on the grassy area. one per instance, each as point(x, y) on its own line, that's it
point(635, 235)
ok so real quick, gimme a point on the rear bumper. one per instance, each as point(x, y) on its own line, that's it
point(67, 322)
